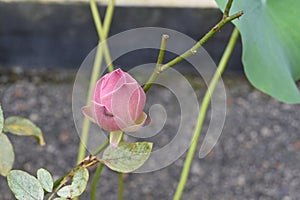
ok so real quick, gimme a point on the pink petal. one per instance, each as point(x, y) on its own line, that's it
point(112, 81)
point(138, 124)
point(122, 103)
point(105, 119)
point(86, 110)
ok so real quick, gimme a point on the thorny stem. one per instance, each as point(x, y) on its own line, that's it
point(227, 8)
point(87, 162)
point(194, 49)
point(202, 113)
point(160, 58)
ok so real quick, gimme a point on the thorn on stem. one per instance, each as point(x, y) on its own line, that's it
point(165, 36)
point(193, 51)
point(215, 27)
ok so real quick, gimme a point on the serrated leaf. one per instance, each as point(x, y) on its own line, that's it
point(23, 127)
point(45, 179)
point(24, 186)
point(7, 155)
point(271, 45)
point(127, 157)
point(1, 119)
point(77, 186)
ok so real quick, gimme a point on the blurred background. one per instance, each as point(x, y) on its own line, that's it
point(42, 45)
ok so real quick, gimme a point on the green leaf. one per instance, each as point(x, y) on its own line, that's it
point(7, 155)
point(60, 198)
point(24, 186)
point(23, 127)
point(45, 179)
point(127, 157)
point(1, 119)
point(77, 186)
point(271, 45)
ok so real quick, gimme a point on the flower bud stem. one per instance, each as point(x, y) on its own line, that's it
point(115, 137)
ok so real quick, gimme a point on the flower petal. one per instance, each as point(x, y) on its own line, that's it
point(105, 119)
point(86, 110)
point(138, 124)
point(123, 104)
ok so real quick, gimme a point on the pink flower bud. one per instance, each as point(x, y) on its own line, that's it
point(117, 103)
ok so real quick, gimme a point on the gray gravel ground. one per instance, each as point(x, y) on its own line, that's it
point(256, 157)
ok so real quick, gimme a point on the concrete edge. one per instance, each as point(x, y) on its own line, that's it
point(134, 3)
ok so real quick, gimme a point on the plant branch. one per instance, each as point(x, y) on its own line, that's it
point(227, 8)
point(103, 32)
point(202, 113)
point(87, 162)
point(160, 58)
point(194, 49)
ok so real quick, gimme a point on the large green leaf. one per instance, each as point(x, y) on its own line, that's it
point(24, 186)
point(7, 155)
point(77, 186)
point(23, 127)
point(271, 45)
point(127, 157)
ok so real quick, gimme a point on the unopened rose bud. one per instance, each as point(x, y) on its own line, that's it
point(117, 103)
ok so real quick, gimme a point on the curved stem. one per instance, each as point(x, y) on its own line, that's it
point(202, 113)
point(95, 181)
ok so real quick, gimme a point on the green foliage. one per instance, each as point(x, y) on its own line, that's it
point(271, 45)
point(7, 155)
point(23, 127)
point(45, 179)
point(127, 157)
point(77, 186)
point(24, 186)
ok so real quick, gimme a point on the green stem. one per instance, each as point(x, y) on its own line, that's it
point(194, 49)
point(95, 153)
point(121, 186)
point(95, 181)
point(115, 138)
point(101, 30)
point(96, 68)
point(89, 161)
point(227, 8)
point(160, 58)
point(101, 147)
point(202, 113)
